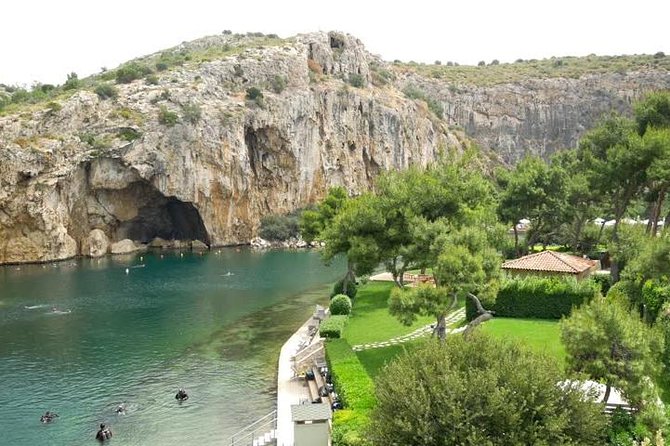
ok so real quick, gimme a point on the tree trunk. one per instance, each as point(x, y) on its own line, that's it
point(441, 328)
point(657, 211)
point(349, 276)
point(608, 390)
point(517, 254)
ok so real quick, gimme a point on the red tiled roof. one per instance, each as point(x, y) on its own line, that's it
point(550, 261)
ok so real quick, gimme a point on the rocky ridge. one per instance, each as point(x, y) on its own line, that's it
point(192, 158)
point(196, 156)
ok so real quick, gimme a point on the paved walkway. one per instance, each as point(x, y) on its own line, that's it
point(290, 390)
point(454, 317)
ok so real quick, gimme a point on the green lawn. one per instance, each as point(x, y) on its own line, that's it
point(370, 319)
point(538, 334)
point(375, 359)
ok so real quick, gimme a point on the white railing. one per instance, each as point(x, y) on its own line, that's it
point(260, 432)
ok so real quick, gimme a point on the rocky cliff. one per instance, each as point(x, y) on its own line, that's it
point(230, 128)
point(538, 116)
point(205, 148)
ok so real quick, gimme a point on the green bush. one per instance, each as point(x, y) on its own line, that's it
point(72, 82)
point(356, 80)
point(356, 391)
point(278, 84)
point(191, 113)
point(338, 288)
point(340, 304)
point(167, 117)
point(279, 227)
point(604, 282)
point(151, 79)
point(333, 326)
point(106, 91)
point(254, 93)
point(129, 134)
point(537, 297)
point(130, 72)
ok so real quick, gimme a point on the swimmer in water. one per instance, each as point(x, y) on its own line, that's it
point(181, 395)
point(120, 410)
point(48, 417)
point(105, 433)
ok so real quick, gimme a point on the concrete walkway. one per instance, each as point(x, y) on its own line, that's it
point(290, 389)
point(452, 318)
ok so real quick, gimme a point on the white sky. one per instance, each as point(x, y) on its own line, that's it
point(43, 40)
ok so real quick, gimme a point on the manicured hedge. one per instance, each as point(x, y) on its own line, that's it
point(538, 297)
point(340, 304)
point(356, 390)
point(333, 326)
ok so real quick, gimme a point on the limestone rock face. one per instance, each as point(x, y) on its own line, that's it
point(125, 246)
point(97, 244)
point(112, 164)
point(222, 161)
point(538, 116)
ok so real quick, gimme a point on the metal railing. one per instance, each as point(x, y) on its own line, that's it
point(247, 435)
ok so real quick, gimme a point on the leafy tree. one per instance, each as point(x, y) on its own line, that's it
point(653, 111)
point(618, 165)
point(535, 191)
point(353, 232)
point(611, 344)
point(465, 263)
point(480, 391)
point(314, 221)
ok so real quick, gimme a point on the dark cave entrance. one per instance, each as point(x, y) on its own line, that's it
point(167, 218)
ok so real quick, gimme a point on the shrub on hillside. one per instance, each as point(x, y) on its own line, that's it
point(356, 80)
point(130, 72)
point(333, 326)
point(166, 117)
point(538, 297)
point(340, 304)
point(338, 288)
point(106, 91)
point(278, 84)
point(191, 113)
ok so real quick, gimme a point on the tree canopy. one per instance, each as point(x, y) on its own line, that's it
point(480, 391)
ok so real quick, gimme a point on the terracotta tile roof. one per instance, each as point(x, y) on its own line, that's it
point(550, 261)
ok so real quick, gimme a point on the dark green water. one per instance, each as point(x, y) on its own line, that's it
point(211, 323)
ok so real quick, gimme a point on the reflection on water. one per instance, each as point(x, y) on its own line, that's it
point(211, 324)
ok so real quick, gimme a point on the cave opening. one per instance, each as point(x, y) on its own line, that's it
point(164, 217)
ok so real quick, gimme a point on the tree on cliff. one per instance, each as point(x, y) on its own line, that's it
point(481, 391)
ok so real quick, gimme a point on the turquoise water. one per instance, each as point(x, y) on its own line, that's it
point(212, 324)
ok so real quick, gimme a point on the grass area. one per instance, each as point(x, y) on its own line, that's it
point(375, 359)
point(540, 335)
point(370, 319)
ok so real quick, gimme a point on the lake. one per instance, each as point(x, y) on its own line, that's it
point(81, 337)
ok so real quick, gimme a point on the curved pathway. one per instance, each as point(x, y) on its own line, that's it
point(452, 318)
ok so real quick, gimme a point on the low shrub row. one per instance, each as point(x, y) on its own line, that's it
point(333, 327)
point(356, 390)
point(538, 297)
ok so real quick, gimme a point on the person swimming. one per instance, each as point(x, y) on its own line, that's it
point(181, 395)
point(120, 409)
point(105, 433)
point(48, 417)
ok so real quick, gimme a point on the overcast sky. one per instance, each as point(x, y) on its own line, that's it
point(44, 40)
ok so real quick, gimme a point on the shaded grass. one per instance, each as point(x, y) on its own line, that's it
point(540, 335)
point(370, 319)
point(375, 359)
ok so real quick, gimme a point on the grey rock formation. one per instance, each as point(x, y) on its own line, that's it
point(96, 245)
point(112, 164)
point(538, 116)
point(125, 246)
